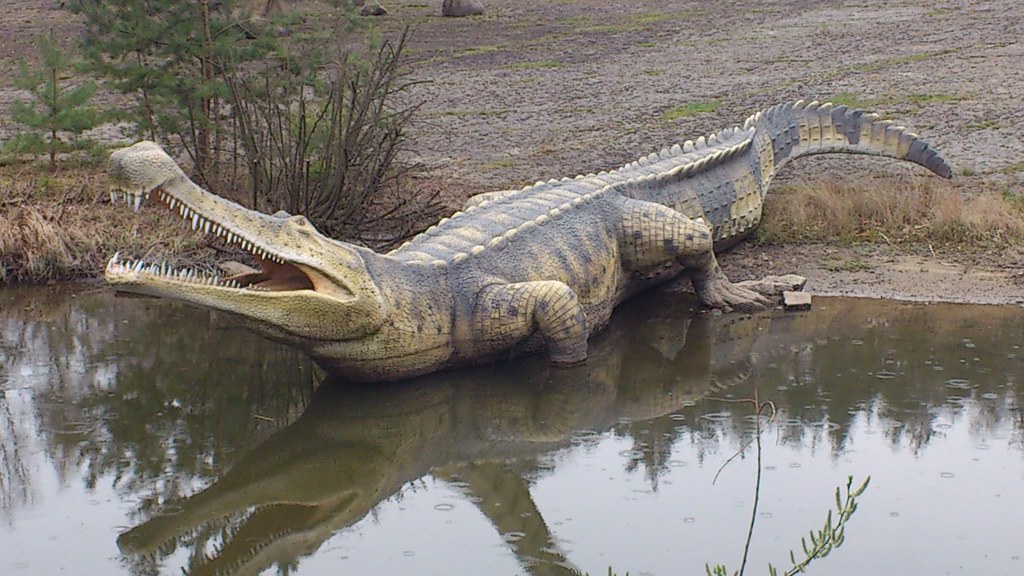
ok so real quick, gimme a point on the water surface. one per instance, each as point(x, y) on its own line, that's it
point(145, 437)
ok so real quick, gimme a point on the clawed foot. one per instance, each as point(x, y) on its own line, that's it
point(716, 291)
point(724, 295)
point(774, 286)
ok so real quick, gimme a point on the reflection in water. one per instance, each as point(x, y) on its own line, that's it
point(218, 473)
point(132, 391)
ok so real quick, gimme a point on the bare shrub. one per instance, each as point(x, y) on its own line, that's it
point(335, 155)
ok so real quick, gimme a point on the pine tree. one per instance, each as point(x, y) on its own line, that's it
point(173, 55)
point(56, 111)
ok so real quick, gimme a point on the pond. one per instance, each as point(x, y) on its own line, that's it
point(140, 436)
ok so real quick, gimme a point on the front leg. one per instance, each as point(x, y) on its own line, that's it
point(507, 314)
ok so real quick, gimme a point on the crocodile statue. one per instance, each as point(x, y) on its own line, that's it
point(516, 271)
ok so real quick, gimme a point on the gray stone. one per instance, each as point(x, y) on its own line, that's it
point(461, 8)
point(795, 301)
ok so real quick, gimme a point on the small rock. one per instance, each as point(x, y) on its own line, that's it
point(372, 9)
point(794, 301)
point(461, 8)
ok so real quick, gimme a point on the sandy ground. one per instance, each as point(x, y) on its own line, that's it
point(536, 89)
point(541, 89)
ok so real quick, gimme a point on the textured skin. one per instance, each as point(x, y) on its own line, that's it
point(518, 270)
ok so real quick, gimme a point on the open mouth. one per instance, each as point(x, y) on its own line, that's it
point(269, 273)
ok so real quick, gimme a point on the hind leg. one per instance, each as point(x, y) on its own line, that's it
point(653, 234)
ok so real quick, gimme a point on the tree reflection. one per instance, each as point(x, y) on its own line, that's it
point(153, 398)
point(161, 401)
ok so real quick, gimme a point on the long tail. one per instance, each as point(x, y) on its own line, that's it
point(796, 129)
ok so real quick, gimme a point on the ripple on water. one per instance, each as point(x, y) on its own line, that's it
point(958, 383)
point(958, 400)
point(585, 438)
point(444, 507)
point(716, 416)
point(885, 375)
point(513, 537)
point(72, 428)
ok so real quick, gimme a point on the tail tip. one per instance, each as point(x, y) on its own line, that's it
point(941, 168)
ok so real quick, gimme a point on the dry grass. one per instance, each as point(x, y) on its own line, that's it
point(64, 228)
point(907, 209)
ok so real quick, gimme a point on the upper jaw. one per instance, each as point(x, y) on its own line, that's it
point(292, 255)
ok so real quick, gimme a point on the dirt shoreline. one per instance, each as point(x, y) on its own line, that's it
point(537, 89)
point(880, 271)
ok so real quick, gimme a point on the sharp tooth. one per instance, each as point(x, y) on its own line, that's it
point(138, 203)
point(195, 221)
point(113, 196)
point(139, 265)
point(206, 227)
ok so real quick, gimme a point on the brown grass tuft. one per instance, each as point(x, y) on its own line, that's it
point(66, 229)
point(892, 209)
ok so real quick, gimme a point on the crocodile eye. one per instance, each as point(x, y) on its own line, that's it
point(301, 223)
